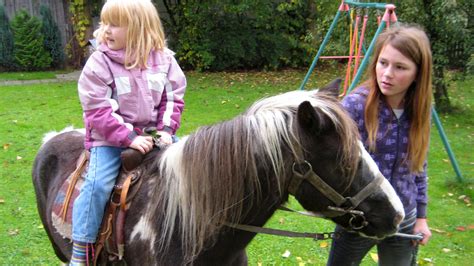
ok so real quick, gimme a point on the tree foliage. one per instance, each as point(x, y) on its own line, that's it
point(447, 24)
point(80, 14)
point(52, 37)
point(6, 41)
point(226, 34)
point(29, 52)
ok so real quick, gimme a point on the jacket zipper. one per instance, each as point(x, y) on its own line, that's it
point(398, 148)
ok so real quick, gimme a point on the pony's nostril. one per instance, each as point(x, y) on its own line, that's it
point(398, 219)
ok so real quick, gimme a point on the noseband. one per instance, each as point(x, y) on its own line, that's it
point(343, 205)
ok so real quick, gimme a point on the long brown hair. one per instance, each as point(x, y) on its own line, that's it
point(413, 43)
point(144, 30)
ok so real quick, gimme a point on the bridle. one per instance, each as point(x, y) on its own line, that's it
point(342, 205)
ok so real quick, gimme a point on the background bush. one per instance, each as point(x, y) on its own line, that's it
point(229, 35)
point(6, 41)
point(52, 37)
point(29, 52)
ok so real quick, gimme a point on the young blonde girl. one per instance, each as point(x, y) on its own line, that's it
point(131, 82)
point(392, 111)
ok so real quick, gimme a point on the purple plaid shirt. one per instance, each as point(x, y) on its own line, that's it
point(391, 151)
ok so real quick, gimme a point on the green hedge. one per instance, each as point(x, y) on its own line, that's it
point(6, 41)
point(225, 35)
point(52, 37)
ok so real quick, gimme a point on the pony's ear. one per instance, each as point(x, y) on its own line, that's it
point(333, 87)
point(308, 118)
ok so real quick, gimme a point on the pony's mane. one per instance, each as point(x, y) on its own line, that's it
point(207, 176)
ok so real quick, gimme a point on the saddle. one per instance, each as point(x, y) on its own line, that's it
point(110, 240)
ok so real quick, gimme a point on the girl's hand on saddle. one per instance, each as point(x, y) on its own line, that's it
point(165, 137)
point(143, 144)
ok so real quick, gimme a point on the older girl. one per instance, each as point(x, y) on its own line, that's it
point(392, 111)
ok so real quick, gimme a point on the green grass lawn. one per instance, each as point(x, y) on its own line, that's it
point(27, 112)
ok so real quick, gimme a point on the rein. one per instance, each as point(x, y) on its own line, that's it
point(278, 232)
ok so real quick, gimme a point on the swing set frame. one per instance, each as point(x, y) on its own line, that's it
point(388, 17)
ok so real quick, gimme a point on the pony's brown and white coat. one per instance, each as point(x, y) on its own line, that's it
point(209, 173)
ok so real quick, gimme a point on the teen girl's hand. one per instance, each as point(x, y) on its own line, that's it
point(143, 144)
point(165, 137)
point(421, 226)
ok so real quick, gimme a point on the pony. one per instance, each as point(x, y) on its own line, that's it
point(237, 172)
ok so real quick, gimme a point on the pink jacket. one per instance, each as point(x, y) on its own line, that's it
point(119, 102)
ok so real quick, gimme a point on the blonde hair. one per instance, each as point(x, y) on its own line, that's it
point(144, 30)
point(413, 43)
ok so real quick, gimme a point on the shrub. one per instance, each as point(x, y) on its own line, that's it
point(52, 37)
point(6, 41)
point(29, 52)
point(239, 35)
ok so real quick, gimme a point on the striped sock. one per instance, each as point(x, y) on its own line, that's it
point(78, 253)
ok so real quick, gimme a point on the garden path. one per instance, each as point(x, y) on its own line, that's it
point(73, 76)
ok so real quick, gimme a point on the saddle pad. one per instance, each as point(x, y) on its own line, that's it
point(64, 226)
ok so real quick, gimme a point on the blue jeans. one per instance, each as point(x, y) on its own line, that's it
point(89, 207)
point(351, 248)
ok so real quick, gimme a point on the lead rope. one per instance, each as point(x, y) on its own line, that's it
point(278, 232)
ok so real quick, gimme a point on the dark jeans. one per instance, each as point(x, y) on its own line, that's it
point(351, 248)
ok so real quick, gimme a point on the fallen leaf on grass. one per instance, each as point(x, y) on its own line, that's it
point(374, 257)
point(470, 227)
point(465, 199)
point(281, 220)
point(300, 261)
point(425, 261)
point(19, 157)
point(13, 232)
point(323, 244)
point(446, 250)
point(6, 146)
point(2, 200)
point(286, 254)
point(40, 226)
point(461, 228)
point(438, 230)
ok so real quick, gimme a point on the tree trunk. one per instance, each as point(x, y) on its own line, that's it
point(440, 89)
point(440, 86)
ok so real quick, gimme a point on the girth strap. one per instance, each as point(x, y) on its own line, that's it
point(80, 165)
